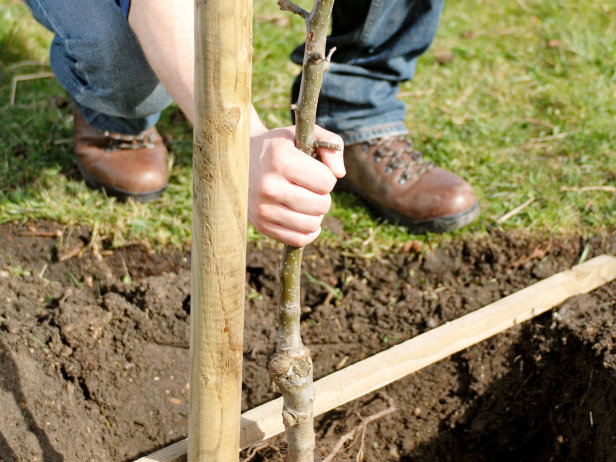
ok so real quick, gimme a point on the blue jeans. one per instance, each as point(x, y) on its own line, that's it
point(98, 60)
point(377, 45)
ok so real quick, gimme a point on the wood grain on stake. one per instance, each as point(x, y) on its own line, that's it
point(223, 33)
point(390, 365)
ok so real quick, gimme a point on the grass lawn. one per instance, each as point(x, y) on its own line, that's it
point(517, 97)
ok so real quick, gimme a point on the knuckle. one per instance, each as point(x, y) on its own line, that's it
point(327, 203)
point(279, 160)
point(302, 241)
point(331, 182)
point(268, 188)
point(313, 225)
point(259, 226)
point(312, 236)
point(326, 179)
point(262, 213)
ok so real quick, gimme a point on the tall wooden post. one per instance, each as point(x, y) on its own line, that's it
point(223, 44)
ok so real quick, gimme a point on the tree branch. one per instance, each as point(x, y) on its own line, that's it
point(288, 5)
point(326, 144)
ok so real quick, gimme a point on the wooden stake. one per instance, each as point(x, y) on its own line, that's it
point(223, 44)
point(397, 362)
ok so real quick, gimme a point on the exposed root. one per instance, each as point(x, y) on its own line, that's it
point(538, 253)
point(253, 450)
point(360, 431)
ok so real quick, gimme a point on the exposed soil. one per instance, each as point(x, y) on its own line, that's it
point(94, 351)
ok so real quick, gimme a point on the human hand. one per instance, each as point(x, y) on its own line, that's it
point(289, 191)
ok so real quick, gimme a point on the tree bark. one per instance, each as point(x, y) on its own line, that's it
point(291, 366)
point(223, 46)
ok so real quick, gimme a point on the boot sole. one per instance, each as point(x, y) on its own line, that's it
point(121, 194)
point(433, 225)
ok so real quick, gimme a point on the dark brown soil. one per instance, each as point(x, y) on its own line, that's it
point(94, 351)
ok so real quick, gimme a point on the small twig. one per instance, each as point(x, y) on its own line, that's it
point(327, 145)
point(254, 450)
point(515, 211)
point(466, 94)
point(72, 253)
point(543, 123)
point(287, 5)
point(15, 66)
point(20, 78)
point(542, 139)
point(67, 293)
point(339, 447)
point(93, 244)
point(537, 253)
point(38, 233)
point(328, 59)
point(42, 271)
point(360, 451)
point(589, 188)
point(142, 242)
point(372, 418)
point(361, 428)
point(416, 94)
point(126, 278)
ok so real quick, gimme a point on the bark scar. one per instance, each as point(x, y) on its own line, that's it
point(222, 123)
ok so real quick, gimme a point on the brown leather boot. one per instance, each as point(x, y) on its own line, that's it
point(392, 176)
point(123, 165)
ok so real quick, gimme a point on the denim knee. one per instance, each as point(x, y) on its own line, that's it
point(109, 76)
point(98, 60)
point(378, 43)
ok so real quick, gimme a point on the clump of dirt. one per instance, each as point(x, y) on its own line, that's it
point(94, 350)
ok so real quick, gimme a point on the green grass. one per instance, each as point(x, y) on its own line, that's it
point(517, 97)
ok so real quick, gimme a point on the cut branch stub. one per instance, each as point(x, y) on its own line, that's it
point(286, 5)
point(326, 144)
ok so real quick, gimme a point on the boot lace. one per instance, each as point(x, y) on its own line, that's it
point(406, 157)
point(117, 141)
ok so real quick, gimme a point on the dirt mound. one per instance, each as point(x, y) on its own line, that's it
point(94, 351)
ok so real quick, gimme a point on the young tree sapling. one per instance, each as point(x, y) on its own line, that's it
point(291, 366)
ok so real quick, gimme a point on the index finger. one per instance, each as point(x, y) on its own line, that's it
point(305, 171)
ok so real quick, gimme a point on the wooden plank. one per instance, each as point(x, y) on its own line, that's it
point(223, 49)
point(177, 452)
point(401, 360)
